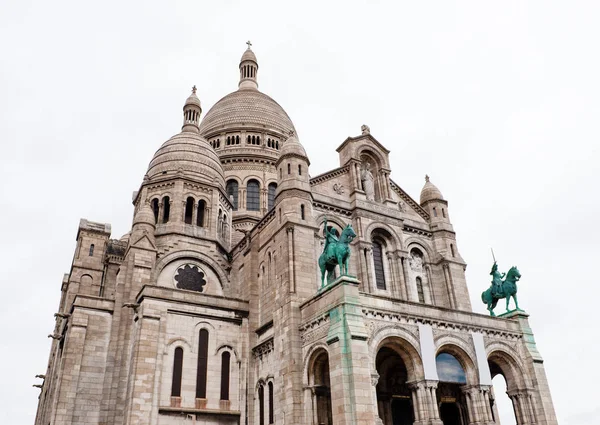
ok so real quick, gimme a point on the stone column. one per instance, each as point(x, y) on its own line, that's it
point(194, 213)
point(291, 270)
point(374, 381)
point(449, 287)
point(411, 294)
point(430, 284)
point(402, 281)
point(369, 263)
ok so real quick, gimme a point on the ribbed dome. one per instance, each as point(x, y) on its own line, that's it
point(430, 192)
point(248, 56)
point(144, 216)
point(292, 147)
point(187, 153)
point(246, 109)
point(193, 99)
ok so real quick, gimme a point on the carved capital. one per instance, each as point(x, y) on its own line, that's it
point(374, 378)
point(290, 229)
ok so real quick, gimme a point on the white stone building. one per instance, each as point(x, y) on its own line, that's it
point(211, 311)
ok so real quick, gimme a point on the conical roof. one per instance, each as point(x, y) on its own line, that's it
point(430, 192)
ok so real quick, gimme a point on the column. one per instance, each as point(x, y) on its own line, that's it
point(402, 281)
point(393, 283)
point(374, 381)
point(430, 284)
point(194, 213)
point(369, 262)
point(291, 272)
point(449, 288)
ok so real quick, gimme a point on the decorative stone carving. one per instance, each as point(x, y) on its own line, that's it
point(365, 129)
point(338, 188)
point(416, 262)
point(366, 178)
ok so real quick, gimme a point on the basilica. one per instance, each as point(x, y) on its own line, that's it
point(223, 304)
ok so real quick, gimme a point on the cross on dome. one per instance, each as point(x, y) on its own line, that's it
point(194, 89)
point(249, 44)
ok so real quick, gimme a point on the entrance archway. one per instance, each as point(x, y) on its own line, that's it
point(452, 402)
point(318, 379)
point(393, 394)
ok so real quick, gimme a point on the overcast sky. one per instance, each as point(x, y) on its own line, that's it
point(497, 101)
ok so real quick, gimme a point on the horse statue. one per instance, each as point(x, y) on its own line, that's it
point(501, 289)
point(335, 252)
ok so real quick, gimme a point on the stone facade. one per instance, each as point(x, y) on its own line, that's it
point(211, 309)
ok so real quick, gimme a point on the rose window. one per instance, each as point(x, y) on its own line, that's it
point(190, 277)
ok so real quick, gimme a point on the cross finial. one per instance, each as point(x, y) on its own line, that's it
point(426, 178)
point(249, 44)
point(194, 89)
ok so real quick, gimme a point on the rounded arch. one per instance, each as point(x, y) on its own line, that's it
point(227, 347)
point(376, 156)
point(176, 342)
point(309, 359)
point(86, 279)
point(501, 356)
point(384, 229)
point(203, 324)
point(413, 242)
point(252, 177)
point(331, 219)
point(195, 256)
point(462, 352)
point(404, 343)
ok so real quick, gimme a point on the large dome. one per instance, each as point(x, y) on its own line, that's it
point(246, 108)
point(189, 154)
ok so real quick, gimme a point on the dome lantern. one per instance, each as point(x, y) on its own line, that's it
point(248, 69)
point(191, 113)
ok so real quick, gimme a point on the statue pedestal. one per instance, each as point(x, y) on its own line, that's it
point(513, 314)
point(341, 280)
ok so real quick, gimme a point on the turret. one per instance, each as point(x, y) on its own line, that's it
point(248, 69)
point(436, 206)
point(293, 180)
point(191, 113)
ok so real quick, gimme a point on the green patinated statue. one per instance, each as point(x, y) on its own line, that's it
point(335, 252)
point(501, 288)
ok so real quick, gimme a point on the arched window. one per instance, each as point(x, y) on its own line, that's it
point(289, 168)
point(253, 140)
point(189, 210)
point(443, 213)
point(261, 405)
point(155, 209)
point(166, 209)
point(452, 250)
point(280, 172)
point(200, 216)
point(420, 290)
point(277, 144)
point(272, 190)
point(225, 359)
point(258, 140)
point(177, 372)
point(91, 250)
point(302, 211)
point(434, 212)
point(378, 265)
point(449, 369)
point(232, 192)
point(299, 169)
point(248, 139)
point(271, 410)
point(253, 196)
point(237, 140)
point(202, 364)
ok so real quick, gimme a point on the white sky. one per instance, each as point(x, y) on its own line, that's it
point(496, 101)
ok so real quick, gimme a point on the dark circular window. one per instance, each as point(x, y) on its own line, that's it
point(190, 277)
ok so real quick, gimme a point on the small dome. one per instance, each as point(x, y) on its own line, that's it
point(430, 192)
point(144, 215)
point(125, 237)
point(193, 99)
point(293, 147)
point(190, 155)
point(249, 56)
point(246, 109)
